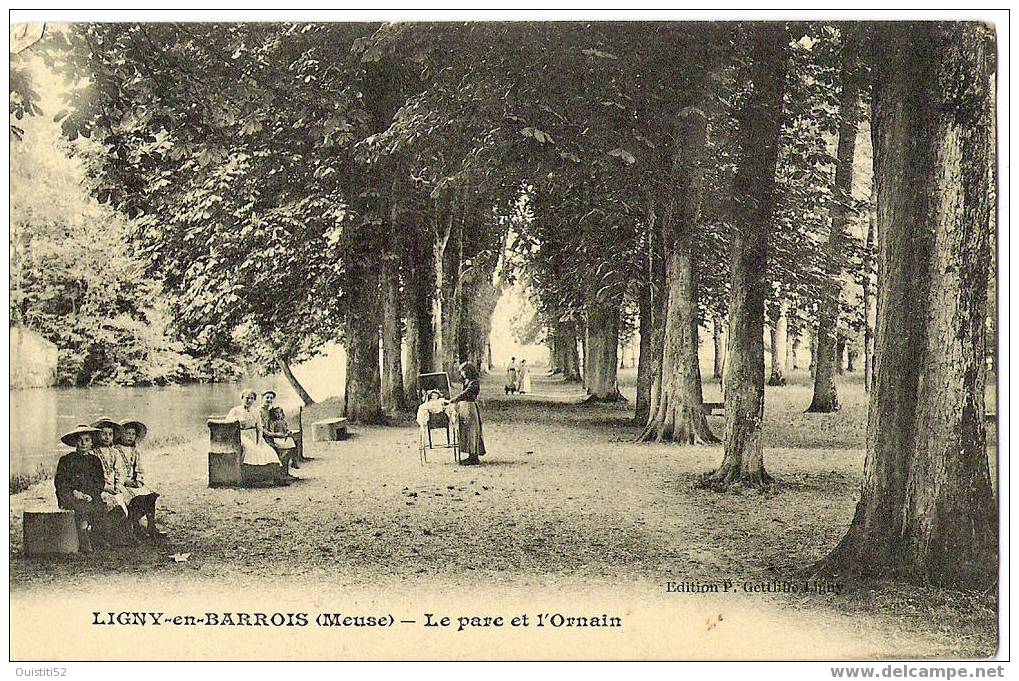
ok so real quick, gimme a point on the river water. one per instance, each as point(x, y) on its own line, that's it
point(39, 416)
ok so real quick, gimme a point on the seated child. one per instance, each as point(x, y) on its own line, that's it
point(116, 528)
point(433, 404)
point(141, 500)
point(277, 434)
point(79, 484)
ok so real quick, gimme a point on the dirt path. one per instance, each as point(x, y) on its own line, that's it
point(565, 508)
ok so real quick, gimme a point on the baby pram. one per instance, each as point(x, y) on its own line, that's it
point(432, 390)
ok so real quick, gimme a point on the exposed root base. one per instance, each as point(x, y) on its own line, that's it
point(593, 399)
point(821, 408)
point(854, 562)
point(729, 479)
point(681, 436)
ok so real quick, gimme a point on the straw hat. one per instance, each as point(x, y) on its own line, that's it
point(270, 392)
point(71, 438)
point(140, 428)
point(109, 423)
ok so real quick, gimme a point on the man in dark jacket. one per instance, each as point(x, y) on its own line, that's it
point(79, 483)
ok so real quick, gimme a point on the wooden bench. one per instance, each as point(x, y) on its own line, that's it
point(330, 430)
point(714, 408)
point(50, 533)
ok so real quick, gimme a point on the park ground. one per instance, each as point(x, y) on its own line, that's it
point(567, 515)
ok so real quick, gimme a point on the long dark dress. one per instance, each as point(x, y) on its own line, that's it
point(471, 440)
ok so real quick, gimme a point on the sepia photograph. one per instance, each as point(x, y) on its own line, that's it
point(466, 340)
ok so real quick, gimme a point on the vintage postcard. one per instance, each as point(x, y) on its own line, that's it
point(505, 340)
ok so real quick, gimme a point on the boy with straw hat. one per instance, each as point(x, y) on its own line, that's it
point(79, 482)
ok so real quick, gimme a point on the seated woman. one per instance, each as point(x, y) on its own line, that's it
point(255, 451)
point(79, 483)
point(277, 434)
point(141, 500)
point(468, 417)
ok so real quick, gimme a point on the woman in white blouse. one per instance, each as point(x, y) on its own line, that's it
point(255, 451)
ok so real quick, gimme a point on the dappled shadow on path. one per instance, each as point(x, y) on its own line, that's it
point(561, 497)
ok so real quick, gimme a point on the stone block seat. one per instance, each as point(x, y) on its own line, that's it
point(50, 532)
point(330, 430)
point(225, 469)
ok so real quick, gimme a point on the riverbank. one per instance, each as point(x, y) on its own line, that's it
point(566, 513)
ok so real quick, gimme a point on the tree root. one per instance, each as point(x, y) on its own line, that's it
point(592, 399)
point(817, 407)
point(654, 431)
point(728, 478)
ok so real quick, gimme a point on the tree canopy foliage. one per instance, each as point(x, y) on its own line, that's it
point(269, 170)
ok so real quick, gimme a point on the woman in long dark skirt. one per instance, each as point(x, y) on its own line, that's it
point(471, 441)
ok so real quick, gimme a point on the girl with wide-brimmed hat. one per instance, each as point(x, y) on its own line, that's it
point(113, 468)
point(141, 499)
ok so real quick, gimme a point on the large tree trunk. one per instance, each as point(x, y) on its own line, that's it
point(827, 364)
point(718, 338)
point(645, 376)
point(443, 228)
point(927, 510)
point(754, 186)
point(478, 300)
point(554, 354)
point(779, 345)
point(600, 359)
point(792, 342)
point(566, 345)
point(412, 367)
point(813, 354)
point(284, 366)
point(361, 401)
point(394, 398)
point(659, 304)
point(451, 306)
point(651, 311)
point(840, 353)
point(869, 309)
point(417, 307)
point(677, 412)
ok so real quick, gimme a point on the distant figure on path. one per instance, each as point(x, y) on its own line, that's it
point(524, 382)
point(471, 441)
point(79, 483)
point(511, 376)
point(254, 451)
point(141, 500)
